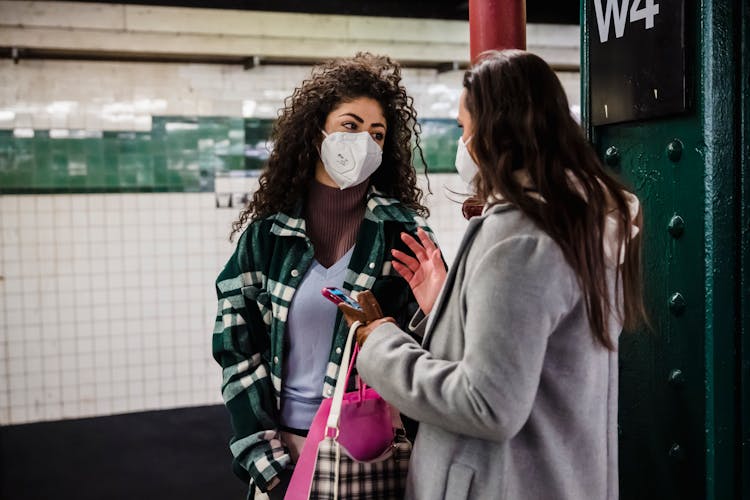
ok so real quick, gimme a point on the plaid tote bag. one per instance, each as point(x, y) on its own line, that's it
point(338, 476)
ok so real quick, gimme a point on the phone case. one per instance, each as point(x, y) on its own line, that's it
point(337, 296)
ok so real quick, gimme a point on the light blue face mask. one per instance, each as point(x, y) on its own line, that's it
point(350, 158)
point(465, 165)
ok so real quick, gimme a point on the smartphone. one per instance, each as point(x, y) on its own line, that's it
point(337, 296)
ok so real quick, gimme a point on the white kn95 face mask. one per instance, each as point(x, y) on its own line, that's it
point(465, 164)
point(350, 158)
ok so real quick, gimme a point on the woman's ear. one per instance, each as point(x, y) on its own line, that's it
point(317, 141)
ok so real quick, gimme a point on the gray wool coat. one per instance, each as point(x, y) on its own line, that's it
point(514, 397)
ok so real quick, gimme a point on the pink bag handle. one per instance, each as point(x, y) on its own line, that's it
point(361, 385)
point(332, 425)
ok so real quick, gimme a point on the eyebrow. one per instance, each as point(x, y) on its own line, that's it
point(360, 120)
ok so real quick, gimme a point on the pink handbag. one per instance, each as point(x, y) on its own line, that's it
point(364, 427)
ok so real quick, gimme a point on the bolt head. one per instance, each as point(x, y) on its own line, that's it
point(677, 304)
point(674, 150)
point(676, 226)
point(612, 156)
point(676, 377)
point(676, 452)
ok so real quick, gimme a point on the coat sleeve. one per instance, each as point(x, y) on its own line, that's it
point(514, 297)
point(239, 339)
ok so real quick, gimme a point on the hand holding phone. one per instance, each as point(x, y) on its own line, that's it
point(339, 296)
point(364, 309)
point(368, 312)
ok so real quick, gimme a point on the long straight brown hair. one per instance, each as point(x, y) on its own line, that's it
point(522, 122)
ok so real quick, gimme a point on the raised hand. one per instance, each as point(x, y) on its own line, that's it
point(425, 271)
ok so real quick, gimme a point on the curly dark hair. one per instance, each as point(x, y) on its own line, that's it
point(297, 136)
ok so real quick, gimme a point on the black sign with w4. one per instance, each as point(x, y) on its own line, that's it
point(636, 58)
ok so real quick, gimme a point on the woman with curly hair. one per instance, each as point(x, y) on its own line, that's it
point(338, 191)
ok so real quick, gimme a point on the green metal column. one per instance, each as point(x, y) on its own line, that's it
point(720, 108)
point(744, 283)
point(684, 385)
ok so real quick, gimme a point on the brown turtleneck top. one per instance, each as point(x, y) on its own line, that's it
point(332, 218)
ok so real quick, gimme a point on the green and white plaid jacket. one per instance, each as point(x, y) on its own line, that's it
point(255, 289)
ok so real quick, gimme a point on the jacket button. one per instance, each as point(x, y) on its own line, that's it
point(338, 350)
point(372, 265)
point(295, 273)
point(329, 392)
point(276, 360)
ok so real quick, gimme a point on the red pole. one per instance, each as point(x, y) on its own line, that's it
point(497, 24)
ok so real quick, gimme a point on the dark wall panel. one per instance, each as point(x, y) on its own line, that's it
point(173, 454)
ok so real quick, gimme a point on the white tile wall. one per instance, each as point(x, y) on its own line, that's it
point(107, 301)
point(97, 294)
point(124, 96)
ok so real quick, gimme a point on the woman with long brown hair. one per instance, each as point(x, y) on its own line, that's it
point(515, 380)
point(338, 191)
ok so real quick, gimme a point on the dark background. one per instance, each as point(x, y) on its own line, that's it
point(160, 455)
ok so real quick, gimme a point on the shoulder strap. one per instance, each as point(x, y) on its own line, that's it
point(332, 426)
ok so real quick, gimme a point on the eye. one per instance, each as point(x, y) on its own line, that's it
point(378, 136)
point(349, 125)
point(459, 124)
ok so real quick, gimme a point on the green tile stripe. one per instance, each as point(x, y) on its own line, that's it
point(179, 154)
point(439, 138)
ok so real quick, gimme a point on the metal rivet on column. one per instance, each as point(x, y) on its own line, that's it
point(676, 377)
point(677, 303)
point(612, 156)
point(674, 150)
point(676, 452)
point(676, 226)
